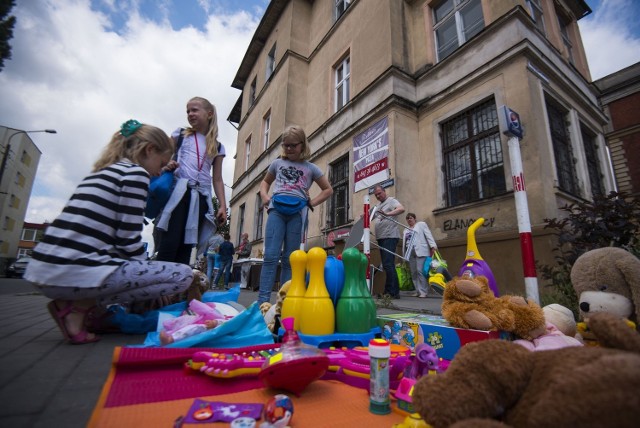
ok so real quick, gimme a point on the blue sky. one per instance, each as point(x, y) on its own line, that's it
point(83, 67)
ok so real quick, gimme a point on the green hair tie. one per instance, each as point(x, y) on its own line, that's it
point(129, 127)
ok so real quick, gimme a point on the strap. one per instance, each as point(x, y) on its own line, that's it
point(436, 254)
point(178, 143)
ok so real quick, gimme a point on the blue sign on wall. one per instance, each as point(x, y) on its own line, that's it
point(512, 126)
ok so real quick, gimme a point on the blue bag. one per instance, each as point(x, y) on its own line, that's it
point(426, 267)
point(160, 188)
point(288, 205)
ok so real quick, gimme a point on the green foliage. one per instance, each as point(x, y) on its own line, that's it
point(222, 228)
point(6, 30)
point(607, 221)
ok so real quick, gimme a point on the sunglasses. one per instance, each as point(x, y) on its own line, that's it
point(291, 146)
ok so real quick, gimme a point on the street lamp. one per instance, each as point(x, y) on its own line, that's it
point(8, 148)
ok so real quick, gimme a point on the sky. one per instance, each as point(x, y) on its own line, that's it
point(83, 67)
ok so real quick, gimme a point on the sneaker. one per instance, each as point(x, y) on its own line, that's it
point(396, 297)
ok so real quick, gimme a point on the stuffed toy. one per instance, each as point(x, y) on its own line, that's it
point(499, 383)
point(271, 312)
point(607, 280)
point(560, 330)
point(469, 303)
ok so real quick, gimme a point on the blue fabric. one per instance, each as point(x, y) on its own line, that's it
point(391, 286)
point(245, 329)
point(287, 204)
point(280, 230)
point(160, 189)
point(426, 268)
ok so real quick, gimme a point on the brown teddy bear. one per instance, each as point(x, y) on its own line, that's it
point(499, 383)
point(607, 280)
point(470, 303)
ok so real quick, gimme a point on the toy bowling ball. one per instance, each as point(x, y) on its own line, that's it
point(277, 412)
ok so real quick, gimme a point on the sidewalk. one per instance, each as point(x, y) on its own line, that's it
point(49, 383)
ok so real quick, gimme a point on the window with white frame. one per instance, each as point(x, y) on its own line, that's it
point(338, 212)
point(266, 128)
point(593, 162)
point(341, 7)
point(29, 234)
point(271, 62)
point(472, 151)
point(252, 92)
point(456, 21)
point(343, 74)
point(247, 152)
point(259, 220)
point(24, 252)
point(562, 150)
point(535, 9)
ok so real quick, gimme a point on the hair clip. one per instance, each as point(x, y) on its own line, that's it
point(129, 127)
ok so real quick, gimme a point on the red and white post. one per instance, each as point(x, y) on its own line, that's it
point(366, 239)
point(524, 224)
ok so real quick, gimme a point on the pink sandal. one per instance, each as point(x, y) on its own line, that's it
point(60, 314)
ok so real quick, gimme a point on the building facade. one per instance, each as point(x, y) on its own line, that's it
point(20, 158)
point(620, 98)
point(409, 93)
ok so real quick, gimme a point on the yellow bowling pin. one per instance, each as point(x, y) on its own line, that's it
point(317, 316)
point(292, 304)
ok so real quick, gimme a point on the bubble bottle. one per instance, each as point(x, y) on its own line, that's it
point(379, 353)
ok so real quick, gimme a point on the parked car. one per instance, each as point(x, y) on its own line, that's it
point(17, 268)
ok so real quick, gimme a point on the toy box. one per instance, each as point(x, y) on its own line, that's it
point(412, 329)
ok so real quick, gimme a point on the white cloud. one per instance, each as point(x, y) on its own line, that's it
point(610, 37)
point(71, 73)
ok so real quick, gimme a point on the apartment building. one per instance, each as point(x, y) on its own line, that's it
point(408, 93)
point(20, 158)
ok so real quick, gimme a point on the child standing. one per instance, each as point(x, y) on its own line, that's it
point(225, 251)
point(188, 218)
point(287, 208)
point(93, 252)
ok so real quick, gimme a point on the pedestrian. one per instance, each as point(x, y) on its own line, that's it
point(213, 257)
point(225, 251)
point(244, 249)
point(188, 218)
point(387, 237)
point(93, 254)
point(422, 246)
point(293, 176)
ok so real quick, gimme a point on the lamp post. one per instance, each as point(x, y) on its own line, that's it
point(8, 148)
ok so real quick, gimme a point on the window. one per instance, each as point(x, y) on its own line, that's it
point(247, 152)
point(564, 23)
point(240, 222)
point(593, 164)
point(14, 201)
point(252, 92)
point(456, 21)
point(343, 73)
point(29, 235)
point(259, 221)
point(565, 164)
point(339, 201)
point(535, 9)
point(472, 151)
point(266, 127)
point(271, 62)
point(20, 179)
point(24, 252)
point(341, 7)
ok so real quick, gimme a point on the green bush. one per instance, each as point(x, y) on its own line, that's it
point(607, 221)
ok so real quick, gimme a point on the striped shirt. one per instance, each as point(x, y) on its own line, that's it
point(99, 229)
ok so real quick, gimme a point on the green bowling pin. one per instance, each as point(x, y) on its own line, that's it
point(353, 309)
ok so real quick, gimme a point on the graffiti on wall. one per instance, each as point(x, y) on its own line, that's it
point(458, 224)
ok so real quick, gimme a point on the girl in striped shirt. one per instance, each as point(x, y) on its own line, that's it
point(93, 254)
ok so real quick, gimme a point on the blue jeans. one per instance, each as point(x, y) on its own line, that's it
point(280, 230)
point(391, 286)
point(225, 268)
point(211, 264)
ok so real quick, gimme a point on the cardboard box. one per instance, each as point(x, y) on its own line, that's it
point(413, 329)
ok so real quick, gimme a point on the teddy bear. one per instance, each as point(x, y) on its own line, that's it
point(499, 383)
point(607, 280)
point(469, 303)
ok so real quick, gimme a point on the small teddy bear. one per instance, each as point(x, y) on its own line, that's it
point(606, 280)
point(468, 302)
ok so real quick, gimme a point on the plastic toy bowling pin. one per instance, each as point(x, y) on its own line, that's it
point(353, 310)
point(364, 285)
point(475, 265)
point(317, 315)
point(292, 304)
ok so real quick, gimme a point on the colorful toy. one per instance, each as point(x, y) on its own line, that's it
point(413, 420)
point(474, 265)
point(317, 314)
point(199, 318)
point(278, 412)
point(499, 383)
point(334, 277)
point(424, 362)
point(218, 411)
point(353, 313)
point(469, 303)
point(292, 304)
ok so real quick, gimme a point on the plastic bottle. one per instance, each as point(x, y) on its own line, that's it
point(379, 353)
